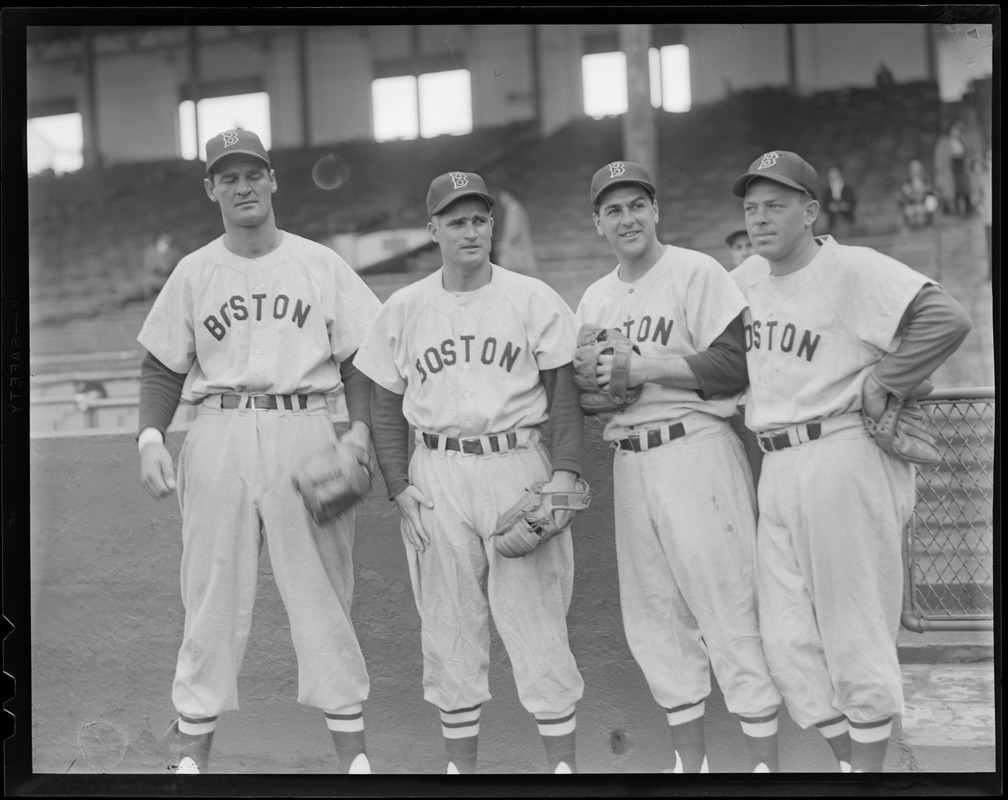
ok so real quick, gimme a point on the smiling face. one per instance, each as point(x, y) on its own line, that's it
point(464, 232)
point(779, 220)
point(627, 217)
point(243, 187)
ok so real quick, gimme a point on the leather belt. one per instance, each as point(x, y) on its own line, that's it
point(800, 434)
point(473, 446)
point(654, 438)
point(266, 401)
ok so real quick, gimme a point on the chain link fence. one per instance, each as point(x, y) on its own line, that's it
point(949, 544)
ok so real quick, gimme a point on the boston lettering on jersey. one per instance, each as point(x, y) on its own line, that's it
point(770, 335)
point(448, 354)
point(236, 308)
point(648, 329)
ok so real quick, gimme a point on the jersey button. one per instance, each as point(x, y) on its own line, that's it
point(258, 351)
point(465, 366)
point(631, 291)
point(465, 394)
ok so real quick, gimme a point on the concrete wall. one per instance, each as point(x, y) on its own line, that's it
point(107, 621)
point(137, 94)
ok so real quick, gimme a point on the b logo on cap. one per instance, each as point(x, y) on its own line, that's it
point(616, 169)
point(769, 159)
point(458, 180)
point(230, 138)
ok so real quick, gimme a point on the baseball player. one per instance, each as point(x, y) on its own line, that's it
point(684, 500)
point(830, 330)
point(740, 246)
point(477, 359)
point(258, 327)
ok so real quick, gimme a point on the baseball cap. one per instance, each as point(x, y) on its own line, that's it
point(735, 235)
point(446, 189)
point(783, 167)
point(234, 141)
point(618, 172)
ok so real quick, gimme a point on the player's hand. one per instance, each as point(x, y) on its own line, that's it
point(358, 435)
point(409, 501)
point(157, 473)
point(562, 481)
point(873, 397)
point(635, 374)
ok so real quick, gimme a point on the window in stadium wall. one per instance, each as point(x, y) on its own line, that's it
point(670, 78)
point(55, 142)
point(249, 112)
point(604, 81)
point(428, 105)
point(604, 78)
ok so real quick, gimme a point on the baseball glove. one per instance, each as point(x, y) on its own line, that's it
point(902, 430)
point(537, 518)
point(333, 480)
point(593, 342)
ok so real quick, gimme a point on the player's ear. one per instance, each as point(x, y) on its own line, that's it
point(811, 211)
point(432, 230)
point(598, 224)
point(273, 182)
point(208, 184)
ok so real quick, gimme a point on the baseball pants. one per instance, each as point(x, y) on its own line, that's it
point(832, 513)
point(460, 580)
point(235, 491)
point(685, 547)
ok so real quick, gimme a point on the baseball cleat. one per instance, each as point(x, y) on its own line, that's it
point(678, 768)
point(452, 769)
point(360, 765)
point(187, 766)
point(563, 768)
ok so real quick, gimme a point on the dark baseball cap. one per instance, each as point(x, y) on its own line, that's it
point(616, 173)
point(789, 169)
point(230, 142)
point(446, 189)
point(735, 235)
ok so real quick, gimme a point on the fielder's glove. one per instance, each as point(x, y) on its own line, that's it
point(593, 342)
point(537, 518)
point(902, 430)
point(334, 480)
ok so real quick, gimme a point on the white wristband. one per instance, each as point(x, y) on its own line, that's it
point(147, 436)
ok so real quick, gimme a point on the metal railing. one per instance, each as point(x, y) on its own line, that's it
point(949, 543)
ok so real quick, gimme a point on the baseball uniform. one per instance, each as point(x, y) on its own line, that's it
point(684, 499)
point(831, 510)
point(467, 366)
point(830, 333)
point(263, 344)
point(685, 526)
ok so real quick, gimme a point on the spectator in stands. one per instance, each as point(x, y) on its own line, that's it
point(884, 76)
point(159, 259)
point(740, 246)
point(513, 247)
point(918, 199)
point(953, 170)
point(839, 202)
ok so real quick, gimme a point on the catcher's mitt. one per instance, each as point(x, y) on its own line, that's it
point(333, 480)
point(537, 518)
point(902, 430)
point(593, 342)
